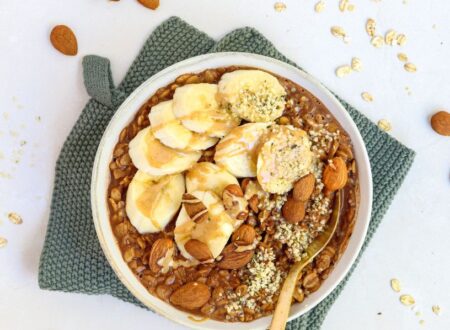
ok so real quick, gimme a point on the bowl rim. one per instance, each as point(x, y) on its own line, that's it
point(103, 157)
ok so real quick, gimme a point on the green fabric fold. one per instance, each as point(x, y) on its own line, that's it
point(72, 259)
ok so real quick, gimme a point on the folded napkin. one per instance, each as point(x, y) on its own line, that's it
point(72, 259)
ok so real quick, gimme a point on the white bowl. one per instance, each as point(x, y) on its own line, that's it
point(124, 115)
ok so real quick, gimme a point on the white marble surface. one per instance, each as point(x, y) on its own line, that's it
point(37, 82)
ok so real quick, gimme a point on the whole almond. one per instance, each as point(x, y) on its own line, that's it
point(151, 4)
point(293, 210)
point(198, 250)
point(304, 187)
point(64, 40)
point(440, 122)
point(235, 190)
point(233, 259)
point(196, 210)
point(335, 175)
point(253, 203)
point(244, 233)
point(158, 251)
point(190, 296)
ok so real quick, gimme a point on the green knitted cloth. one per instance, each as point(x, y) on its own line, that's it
point(72, 259)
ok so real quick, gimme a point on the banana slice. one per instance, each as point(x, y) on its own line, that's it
point(152, 202)
point(238, 151)
point(214, 231)
point(283, 158)
point(253, 95)
point(154, 158)
point(208, 176)
point(197, 108)
point(168, 129)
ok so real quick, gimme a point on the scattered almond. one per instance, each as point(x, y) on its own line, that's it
point(370, 27)
point(335, 174)
point(377, 41)
point(384, 125)
point(440, 122)
point(407, 300)
point(410, 67)
point(198, 250)
point(64, 40)
point(356, 64)
point(279, 6)
point(244, 233)
point(304, 187)
point(395, 285)
point(402, 57)
point(3, 242)
point(150, 4)
point(15, 218)
point(293, 211)
point(233, 259)
point(190, 296)
point(159, 250)
point(366, 96)
point(343, 70)
point(320, 6)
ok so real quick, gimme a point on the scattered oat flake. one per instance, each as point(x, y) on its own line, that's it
point(319, 7)
point(338, 31)
point(3, 242)
point(400, 39)
point(422, 322)
point(407, 300)
point(15, 218)
point(366, 96)
point(384, 125)
point(343, 70)
point(356, 64)
point(410, 67)
point(402, 57)
point(279, 6)
point(377, 41)
point(395, 285)
point(350, 7)
point(389, 37)
point(343, 5)
point(370, 27)
point(436, 309)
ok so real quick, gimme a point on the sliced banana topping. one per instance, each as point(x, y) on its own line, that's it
point(284, 158)
point(214, 232)
point(170, 132)
point(238, 151)
point(154, 158)
point(206, 176)
point(195, 105)
point(253, 95)
point(153, 201)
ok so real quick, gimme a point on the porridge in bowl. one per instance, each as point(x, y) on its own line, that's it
point(220, 183)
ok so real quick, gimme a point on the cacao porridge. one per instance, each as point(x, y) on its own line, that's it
point(211, 210)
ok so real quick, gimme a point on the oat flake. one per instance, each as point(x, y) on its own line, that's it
point(279, 6)
point(389, 37)
point(407, 300)
point(3, 242)
point(370, 27)
point(366, 96)
point(338, 31)
point(356, 64)
point(319, 7)
point(343, 5)
point(436, 309)
point(410, 67)
point(343, 70)
point(384, 125)
point(401, 39)
point(377, 41)
point(15, 218)
point(395, 285)
point(402, 57)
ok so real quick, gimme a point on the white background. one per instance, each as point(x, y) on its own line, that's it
point(412, 243)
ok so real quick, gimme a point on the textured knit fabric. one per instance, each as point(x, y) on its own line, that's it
point(72, 259)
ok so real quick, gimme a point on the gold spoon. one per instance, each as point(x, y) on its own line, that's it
point(285, 299)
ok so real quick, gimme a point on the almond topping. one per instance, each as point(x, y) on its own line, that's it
point(159, 250)
point(335, 174)
point(244, 233)
point(196, 210)
point(233, 259)
point(293, 211)
point(198, 250)
point(304, 187)
point(190, 296)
